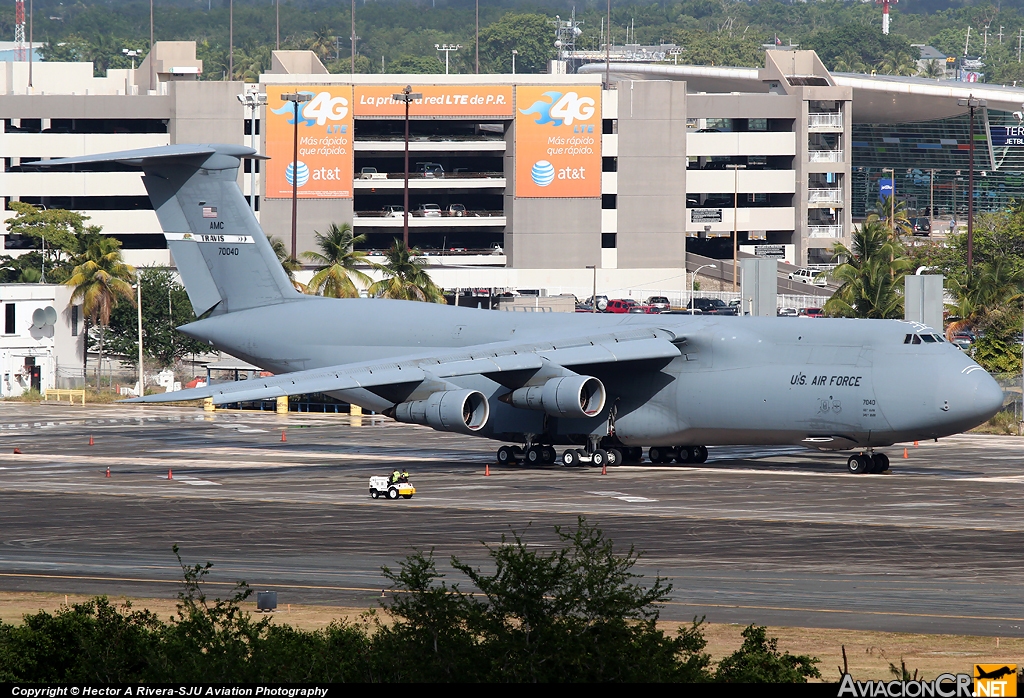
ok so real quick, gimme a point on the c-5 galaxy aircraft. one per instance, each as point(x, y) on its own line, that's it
point(603, 386)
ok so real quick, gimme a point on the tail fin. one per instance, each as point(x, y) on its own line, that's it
point(223, 256)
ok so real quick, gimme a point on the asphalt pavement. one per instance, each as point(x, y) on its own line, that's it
point(779, 536)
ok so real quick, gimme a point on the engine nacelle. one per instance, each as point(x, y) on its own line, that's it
point(575, 397)
point(462, 411)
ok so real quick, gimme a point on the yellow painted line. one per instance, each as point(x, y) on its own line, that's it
point(172, 581)
point(841, 610)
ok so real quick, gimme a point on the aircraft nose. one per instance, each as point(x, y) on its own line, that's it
point(977, 396)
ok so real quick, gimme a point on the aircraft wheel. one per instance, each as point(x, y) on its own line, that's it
point(392, 493)
point(636, 454)
point(506, 455)
point(375, 494)
point(615, 456)
point(535, 455)
point(658, 454)
point(699, 454)
point(682, 454)
point(858, 464)
point(550, 455)
point(881, 463)
point(570, 458)
point(599, 458)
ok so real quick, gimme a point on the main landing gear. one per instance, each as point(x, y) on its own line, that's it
point(679, 454)
point(534, 455)
point(867, 463)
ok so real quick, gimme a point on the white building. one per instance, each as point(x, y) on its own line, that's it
point(41, 345)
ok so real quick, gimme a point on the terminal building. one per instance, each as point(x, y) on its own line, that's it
point(552, 182)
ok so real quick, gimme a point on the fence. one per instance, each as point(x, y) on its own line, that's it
point(1012, 393)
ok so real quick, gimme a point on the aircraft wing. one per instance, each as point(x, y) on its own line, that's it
point(485, 359)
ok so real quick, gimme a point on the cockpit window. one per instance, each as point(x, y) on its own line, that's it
point(918, 338)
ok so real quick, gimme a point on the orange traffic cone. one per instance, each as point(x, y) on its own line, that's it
point(915, 444)
point(108, 471)
point(905, 454)
point(487, 470)
point(604, 469)
point(170, 475)
point(17, 450)
point(283, 437)
point(90, 439)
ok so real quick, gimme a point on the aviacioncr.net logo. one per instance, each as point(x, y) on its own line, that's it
point(561, 109)
point(320, 109)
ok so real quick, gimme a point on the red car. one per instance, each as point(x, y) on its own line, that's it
point(811, 312)
point(621, 305)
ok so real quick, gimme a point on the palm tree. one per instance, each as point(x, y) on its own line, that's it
point(100, 280)
point(337, 262)
point(289, 265)
point(849, 62)
point(405, 277)
point(884, 208)
point(898, 63)
point(934, 70)
point(872, 276)
point(983, 294)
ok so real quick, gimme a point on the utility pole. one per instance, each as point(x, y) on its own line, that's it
point(231, 40)
point(353, 36)
point(152, 61)
point(31, 13)
point(735, 221)
point(971, 103)
point(1020, 35)
point(295, 98)
point(608, 48)
point(477, 43)
point(407, 96)
point(278, 8)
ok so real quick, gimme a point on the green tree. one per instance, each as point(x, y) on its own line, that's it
point(416, 64)
point(289, 264)
point(871, 277)
point(165, 306)
point(528, 34)
point(405, 277)
point(885, 209)
point(759, 661)
point(100, 281)
point(64, 235)
point(898, 62)
point(578, 613)
point(337, 263)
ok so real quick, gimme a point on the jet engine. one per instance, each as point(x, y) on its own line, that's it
point(462, 411)
point(575, 397)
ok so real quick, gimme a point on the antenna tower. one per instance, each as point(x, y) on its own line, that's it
point(566, 32)
point(20, 53)
point(885, 13)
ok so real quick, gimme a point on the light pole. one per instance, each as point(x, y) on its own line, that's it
point(593, 296)
point(735, 220)
point(407, 96)
point(138, 305)
point(252, 101)
point(514, 54)
point(971, 103)
point(693, 278)
point(447, 48)
point(295, 98)
point(132, 54)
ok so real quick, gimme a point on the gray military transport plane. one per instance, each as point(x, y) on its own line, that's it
point(603, 386)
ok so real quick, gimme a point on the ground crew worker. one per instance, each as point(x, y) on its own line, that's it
point(405, 476)
point(395, 476)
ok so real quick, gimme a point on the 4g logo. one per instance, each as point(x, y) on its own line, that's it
point(318, 110)
point(562, 109)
